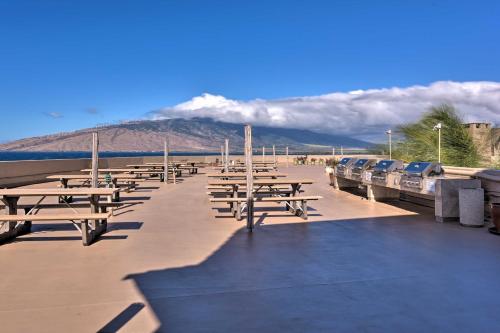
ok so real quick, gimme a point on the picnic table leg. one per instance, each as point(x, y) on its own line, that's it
point(116, 195)
point(232, 204)
point(65, 198)
point(295, 190)
point(12, 229)
point(238, 210)
point(91, 230)
point(304, 209)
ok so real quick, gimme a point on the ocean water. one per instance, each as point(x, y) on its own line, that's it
point(24, 155)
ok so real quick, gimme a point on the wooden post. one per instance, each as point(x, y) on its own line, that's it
point(226, 159)
point(249, 175)
point(95, 159)
point(286, 151)
point(274, 155)
point(263, 153)
point(165, 160)
point(222, 155)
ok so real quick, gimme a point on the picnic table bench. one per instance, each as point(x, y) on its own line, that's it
point(127, 178)
point(299, 210)
point(90, 224)
point(136, 171)
point(192, 168)
point(227, 175)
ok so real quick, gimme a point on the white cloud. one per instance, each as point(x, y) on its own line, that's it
point(53, 114)
point(363, 113)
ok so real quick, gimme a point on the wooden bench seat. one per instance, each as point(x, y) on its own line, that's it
point(91, 224)
point(242, 193)
point(54, 217)
point(229, 187)
point(290, 203)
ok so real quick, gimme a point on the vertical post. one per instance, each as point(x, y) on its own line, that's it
point(389, 133)
point(439, 144)
point(286, 151)
point(165, 161)
point(263, 154)
point(222, 155)
point(274, 155)
point(341, 151)
point(333, 152)
point(95, 159)
point(226, 159)
point(390, 146)
point(249, 175)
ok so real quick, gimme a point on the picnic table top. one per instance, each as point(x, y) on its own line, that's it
point(243, 167)
point(261, 181)
point(156, 165)
point(22, 192)
point(101, 176)
point(125, 170)
point(181, 162)
point(243, 174)
point(256, 162)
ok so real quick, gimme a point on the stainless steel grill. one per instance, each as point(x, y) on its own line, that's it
point(361, 165)
point(415, 173)
point(342, 169)
point(383, 168)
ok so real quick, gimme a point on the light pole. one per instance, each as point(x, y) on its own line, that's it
point(438, 128)
point(389, 133)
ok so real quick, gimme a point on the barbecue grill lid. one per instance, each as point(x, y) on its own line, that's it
point(361, 162)
point(383, 165)
point(345, 160)
point(417, 167)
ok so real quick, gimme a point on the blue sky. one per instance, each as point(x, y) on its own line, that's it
point(66, 65)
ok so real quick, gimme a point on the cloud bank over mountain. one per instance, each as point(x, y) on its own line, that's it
point(363, 113)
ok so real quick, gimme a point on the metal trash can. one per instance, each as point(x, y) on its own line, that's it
point(471, 205)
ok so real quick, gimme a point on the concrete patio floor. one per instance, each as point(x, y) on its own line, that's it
point(176, 263)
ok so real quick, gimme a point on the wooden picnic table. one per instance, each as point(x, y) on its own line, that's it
point(149, 171)
point(256, 163)
point(235, 168)
point(269, 184)
point(125, 170)
point(295, 184)
point(172, 166)
point(64, 179)
point(10, 198)
point(228, 175)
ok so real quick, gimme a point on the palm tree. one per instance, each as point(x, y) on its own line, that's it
point(420, 141)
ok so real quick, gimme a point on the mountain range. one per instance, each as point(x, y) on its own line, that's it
point(196, 134)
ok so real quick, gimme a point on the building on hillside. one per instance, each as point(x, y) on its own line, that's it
point(487, 139)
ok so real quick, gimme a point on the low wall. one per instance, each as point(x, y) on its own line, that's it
point(19, 173)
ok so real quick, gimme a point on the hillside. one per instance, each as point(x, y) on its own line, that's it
point(198, 134)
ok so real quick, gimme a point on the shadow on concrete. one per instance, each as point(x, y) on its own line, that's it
point(147, 187)
point(40, 227)
point(384, 274)
point(122, 318)
point(31, 238)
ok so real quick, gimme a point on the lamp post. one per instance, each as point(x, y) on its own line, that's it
point(389, 133)
point(438, 128)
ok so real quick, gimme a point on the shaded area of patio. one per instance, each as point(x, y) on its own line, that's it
point(388, 274)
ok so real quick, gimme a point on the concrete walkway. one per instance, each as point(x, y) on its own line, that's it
point(176, 263)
